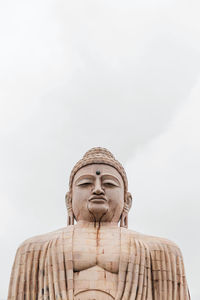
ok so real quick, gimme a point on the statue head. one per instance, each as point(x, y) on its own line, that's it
point(98, 189)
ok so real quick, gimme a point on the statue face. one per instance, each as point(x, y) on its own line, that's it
point(98, 194)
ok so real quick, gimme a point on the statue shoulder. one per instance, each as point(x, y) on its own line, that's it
point(156, 243)
point(39, 241)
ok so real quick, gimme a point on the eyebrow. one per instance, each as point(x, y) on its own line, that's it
point(111, 177)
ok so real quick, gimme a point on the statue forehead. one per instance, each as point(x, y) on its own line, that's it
point(93, 168)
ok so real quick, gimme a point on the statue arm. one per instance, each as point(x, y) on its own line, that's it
point(38, 264)
point(23, 280)
point(168, 272)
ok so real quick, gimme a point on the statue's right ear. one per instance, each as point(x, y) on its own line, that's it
point(70, 215)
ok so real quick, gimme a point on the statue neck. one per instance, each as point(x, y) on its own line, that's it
point(83, 223)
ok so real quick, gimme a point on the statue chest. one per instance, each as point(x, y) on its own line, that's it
point(96, 247)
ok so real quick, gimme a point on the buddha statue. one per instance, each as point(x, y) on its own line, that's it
point(96, 256)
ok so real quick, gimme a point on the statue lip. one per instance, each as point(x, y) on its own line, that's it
point(98, 199)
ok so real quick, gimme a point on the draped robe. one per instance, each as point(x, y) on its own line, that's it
point(150, 268)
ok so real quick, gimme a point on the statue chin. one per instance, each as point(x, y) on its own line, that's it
point(97, 210)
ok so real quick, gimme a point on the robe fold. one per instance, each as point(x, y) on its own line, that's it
point(150, 268)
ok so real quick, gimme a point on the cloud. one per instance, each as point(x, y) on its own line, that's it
point(80, 74)
point(164, 177)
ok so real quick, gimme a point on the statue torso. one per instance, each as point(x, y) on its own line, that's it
point(96, 254)
point(87, 263)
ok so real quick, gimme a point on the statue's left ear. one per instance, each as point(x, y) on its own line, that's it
point(127, 206)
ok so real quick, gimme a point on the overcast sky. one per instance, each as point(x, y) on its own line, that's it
point(118, 74)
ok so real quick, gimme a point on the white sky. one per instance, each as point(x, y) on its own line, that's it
point(123, 75)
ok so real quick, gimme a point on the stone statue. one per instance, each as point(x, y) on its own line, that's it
point(96, 259)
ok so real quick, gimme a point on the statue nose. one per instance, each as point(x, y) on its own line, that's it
point(98, 188)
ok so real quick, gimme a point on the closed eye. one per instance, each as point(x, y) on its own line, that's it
point(84, 184)
point(110, 184)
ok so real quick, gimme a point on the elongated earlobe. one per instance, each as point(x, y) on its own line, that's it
point(127, 206)
point(124, 220)
point(70, 215)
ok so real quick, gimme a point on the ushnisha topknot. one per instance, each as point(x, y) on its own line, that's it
point(99, 155)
